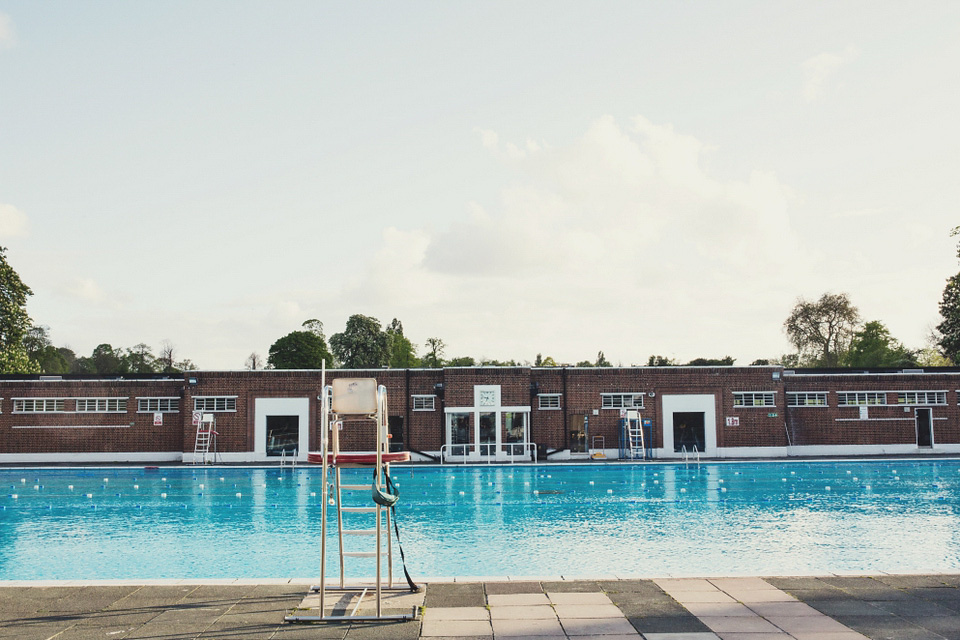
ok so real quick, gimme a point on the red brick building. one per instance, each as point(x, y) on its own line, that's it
point(490, 413)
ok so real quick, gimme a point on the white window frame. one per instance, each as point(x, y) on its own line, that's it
point(100, 405)
point(218, 404)
point(46, 405)
point(861, 398)
point(159, 404)
point(620, 400)
point(807, 398)
point(549, 401)
point(424, 402)
point(748, 399)
point(922, 398)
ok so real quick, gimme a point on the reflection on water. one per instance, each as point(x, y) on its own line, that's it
point(570, 520)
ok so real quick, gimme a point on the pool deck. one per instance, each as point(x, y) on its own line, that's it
point(901, 607)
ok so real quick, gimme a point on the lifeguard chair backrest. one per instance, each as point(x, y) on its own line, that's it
point(354, 396)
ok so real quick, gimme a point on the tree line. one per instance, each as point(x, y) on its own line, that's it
point(826, 332)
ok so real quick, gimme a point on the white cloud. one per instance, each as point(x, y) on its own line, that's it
point(8, 37)
point(620, 238)
point(85, 289)
point(13, 222)
point(818, 70)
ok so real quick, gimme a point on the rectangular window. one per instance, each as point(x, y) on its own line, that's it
point(806, 398)
point(38, 405)
point(861, 398)
point(922, 397)
point(101, 405)
point(215, 403)
point(621, 401)
point(424, 403)
point(754, 398)
point(549, 400)
point(158, 405)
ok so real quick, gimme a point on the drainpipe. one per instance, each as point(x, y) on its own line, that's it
point(406, 404)
point(566, 418)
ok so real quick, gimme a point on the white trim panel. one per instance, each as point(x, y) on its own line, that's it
point(262, 407)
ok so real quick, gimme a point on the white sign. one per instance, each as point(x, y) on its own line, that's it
point(733, 421)
point(196, 418)
point(864, 414)
point(158, 419)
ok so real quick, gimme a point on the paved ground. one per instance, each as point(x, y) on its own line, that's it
point(825, 608)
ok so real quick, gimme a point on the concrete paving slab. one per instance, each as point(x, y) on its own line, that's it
point(529, 612)
point(738, 624)
point(473, 628)
point(513, 587)
point(719, 609)
point(578, 598)
point(516, 599)
point(527, 627)
point(597, 627)
point(574, 611)
point(456, 613)
point(584, 585)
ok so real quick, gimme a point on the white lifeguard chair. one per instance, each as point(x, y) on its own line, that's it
point(357, 398)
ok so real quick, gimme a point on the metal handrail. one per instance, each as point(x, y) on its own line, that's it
point(488, 450)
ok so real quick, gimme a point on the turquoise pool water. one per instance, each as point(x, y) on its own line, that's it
point(756, 518)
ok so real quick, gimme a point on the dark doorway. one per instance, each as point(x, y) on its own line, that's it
point(924, 428)
point(283, 435)
point(578, 434)
point(688, 431)
point(395, 424)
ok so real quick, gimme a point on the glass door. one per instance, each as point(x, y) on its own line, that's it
point(487, 433)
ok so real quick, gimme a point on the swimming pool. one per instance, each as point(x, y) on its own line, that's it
point(757, 518)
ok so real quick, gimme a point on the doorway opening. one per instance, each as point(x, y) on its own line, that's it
point(924, 428)
point(688, 431)
point(283, 435)
point(578, 434)
point(395, 427)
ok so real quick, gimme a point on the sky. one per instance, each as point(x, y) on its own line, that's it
point(554, 177)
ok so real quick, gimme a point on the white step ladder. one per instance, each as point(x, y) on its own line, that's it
point(637, 448)
point(206, 442)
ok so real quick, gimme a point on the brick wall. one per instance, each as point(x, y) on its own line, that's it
point(72, 432)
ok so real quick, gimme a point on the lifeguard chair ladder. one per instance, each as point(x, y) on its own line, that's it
point(206, 442)
point(635, 437)
point(356, 398)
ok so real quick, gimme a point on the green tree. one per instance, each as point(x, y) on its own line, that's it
point(602, 360)
point(362, 344)
point(433, 358)
point(873, 346)
point(661, 361)
point(14, 321)
point(726, 361)
point(106, 359)
point(299, 350)
point(949, 327)
point(140, 359)
point(822, 330)
point(403, 354)
point(759, 362)
point(461, 361)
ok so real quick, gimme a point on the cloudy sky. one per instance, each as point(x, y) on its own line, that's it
point(514, 178)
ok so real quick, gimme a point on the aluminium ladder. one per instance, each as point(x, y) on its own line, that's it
point(206, 439)
point(636, 445)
